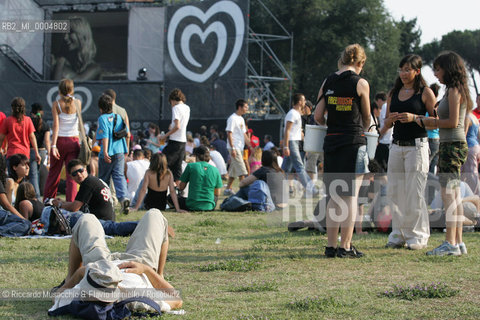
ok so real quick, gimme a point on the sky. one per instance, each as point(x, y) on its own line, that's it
point(436, 18)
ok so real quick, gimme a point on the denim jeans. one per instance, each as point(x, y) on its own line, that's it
point(34, 175)
point(295, 161)
point(114, 170)
point(135, 198)
point(111, 228)
point(12, 225)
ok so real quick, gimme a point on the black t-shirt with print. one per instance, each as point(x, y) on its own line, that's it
point(96, 194)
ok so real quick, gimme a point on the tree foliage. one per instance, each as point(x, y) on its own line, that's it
point(321, 30)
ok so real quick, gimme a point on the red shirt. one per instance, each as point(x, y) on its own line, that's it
point(476, 113)
point(2, 117)
point(18, 135)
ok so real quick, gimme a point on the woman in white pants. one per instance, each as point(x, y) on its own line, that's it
point(408, 162)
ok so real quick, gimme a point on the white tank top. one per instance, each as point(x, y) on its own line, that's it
point(67, 124)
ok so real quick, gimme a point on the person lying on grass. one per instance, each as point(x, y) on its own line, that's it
point(91, 265)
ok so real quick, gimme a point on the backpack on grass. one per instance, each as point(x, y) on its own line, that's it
point(58, 224)
point(105, 311)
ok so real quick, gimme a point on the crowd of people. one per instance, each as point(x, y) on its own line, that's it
point(420, 140)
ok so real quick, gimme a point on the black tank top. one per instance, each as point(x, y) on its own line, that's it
point(156, 199)
point(415, 105)
point(345, 124)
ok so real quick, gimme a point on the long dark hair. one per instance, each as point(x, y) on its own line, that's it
point(269, 159)
point(158, 164)
point(37, 120)
point(14, 161)
point(25, 191)
point(455, 74)
point(3, 170)
point(18, 108)
point(415, 62)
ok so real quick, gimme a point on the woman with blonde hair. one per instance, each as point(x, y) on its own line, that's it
point(65, 143)
point(345, 96)
point(450, 70)
point(78, 61)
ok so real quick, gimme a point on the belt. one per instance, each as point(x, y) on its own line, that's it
point(408, 143)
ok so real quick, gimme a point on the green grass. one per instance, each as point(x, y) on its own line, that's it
point(261, 271)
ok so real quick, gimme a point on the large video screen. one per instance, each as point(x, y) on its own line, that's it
point(94, 49)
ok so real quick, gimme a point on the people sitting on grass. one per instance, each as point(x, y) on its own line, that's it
point(204, 183)
point(271, 174)
point(92, 266)
point(158, 179)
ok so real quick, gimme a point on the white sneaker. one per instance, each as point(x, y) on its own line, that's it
point(445, 249)
point(463, 248)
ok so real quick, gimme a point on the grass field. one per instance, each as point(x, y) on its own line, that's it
point(258, 270)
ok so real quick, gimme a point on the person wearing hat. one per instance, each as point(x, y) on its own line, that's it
point(101, 275)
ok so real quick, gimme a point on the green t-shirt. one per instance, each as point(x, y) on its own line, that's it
point(203, 179)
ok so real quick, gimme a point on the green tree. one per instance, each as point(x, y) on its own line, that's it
point(465, 43)
point(409, 36)
point(323, 28)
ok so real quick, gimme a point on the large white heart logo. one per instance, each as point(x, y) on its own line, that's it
point(217, 27)
point(82, 93)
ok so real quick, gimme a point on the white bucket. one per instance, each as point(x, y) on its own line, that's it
point(314, 136)
point(372, 140)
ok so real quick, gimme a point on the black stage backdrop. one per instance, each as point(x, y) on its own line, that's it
point(205, 56)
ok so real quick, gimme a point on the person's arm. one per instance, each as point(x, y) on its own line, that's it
point(247, 181)
point(363, 90)
point(454, 100)
point(230, 141)
point(143, 191)
point(46, 141)
point(2, 137)
point(33, 141)
point(319, 115)
point(129, 134)
point(173, 194)
point(9, 184)
point(288, 127)
point(175, 128)
point(158, 282)
point(182, 185)
point(69, 206)
point(467, 123)
point(106, 157)
point(54, 150)
point(7, 205)
point(158, 143)
point(71, 282)
point(390, 117)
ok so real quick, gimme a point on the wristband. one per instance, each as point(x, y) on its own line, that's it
point(54, 146)
point(421, 122)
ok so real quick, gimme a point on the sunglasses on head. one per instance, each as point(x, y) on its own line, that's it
point(74, 173)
